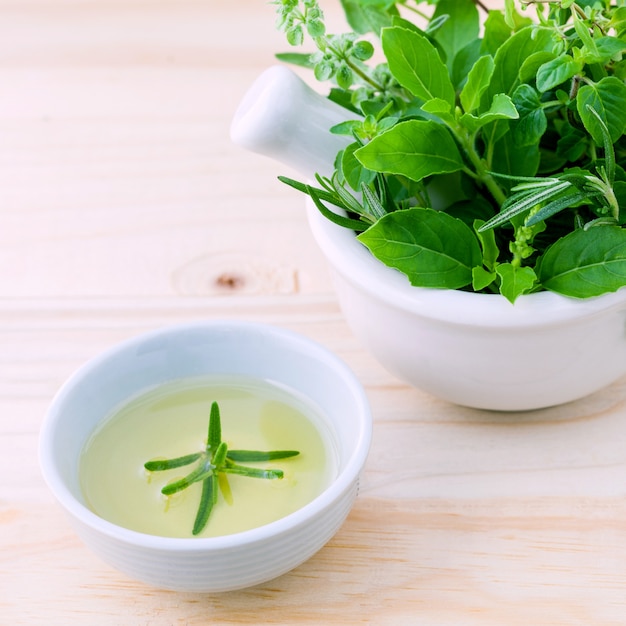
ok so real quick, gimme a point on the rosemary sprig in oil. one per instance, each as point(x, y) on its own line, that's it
point(213, 464)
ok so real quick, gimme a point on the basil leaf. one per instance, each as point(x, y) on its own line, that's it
point(496, 32)
point(415, 149)
point(416, 65)
point(365, 18)
point(509, 60)
point(477, 81)
point(455, 34)
point(488, 244)
point(352, 169)
point(430, 247)
point(532, 123)
point(607, 99)
point(502, 108)
point(464, 62)
point(585, 263)
point(515, 281)
point(512, 55)
point(482, 278)
point(514, 160)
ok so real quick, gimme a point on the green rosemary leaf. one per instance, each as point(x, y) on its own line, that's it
point(207, 501)
point(215, 427)
point(376, 207)
point(340, 220)
point(258, 455)
point(159, 465)
point(570, 199)
point(219, 456)
point(323, 194)
point(200, 473)
point(528, 201)
point(251, 472)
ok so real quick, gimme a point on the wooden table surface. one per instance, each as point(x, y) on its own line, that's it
point(124, 207)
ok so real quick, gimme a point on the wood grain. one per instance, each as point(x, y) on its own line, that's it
point(123, 208)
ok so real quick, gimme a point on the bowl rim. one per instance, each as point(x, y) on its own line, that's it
point(353, 262)
point(342, 483)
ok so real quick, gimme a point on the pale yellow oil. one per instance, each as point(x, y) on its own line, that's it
point(170, 421)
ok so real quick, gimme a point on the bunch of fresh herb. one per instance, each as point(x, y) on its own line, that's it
point(213, 464)
point(522, 112)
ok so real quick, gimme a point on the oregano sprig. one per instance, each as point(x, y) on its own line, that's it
point(212, 466)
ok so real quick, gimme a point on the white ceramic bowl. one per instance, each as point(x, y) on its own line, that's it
point(219, 347)
point(476, 350)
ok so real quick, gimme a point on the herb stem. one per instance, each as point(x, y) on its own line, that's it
point(481, 172)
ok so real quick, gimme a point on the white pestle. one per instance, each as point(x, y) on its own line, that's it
point(283, 118)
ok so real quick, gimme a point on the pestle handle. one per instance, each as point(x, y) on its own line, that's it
point(283, 118)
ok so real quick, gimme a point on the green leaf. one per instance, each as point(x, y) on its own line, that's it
point(352, 169)
point(371, 201)
point(488, 244)
point(496, 32)
point(509, 13)
point(509, 60)
point(482, 278)
point(458, 31)
point(295, 58)
point(518, 204)
point(250, 456)
point(430, 247)
point(463, 63)
point(585, 36)
point(200, 473)
point(219, 456)
point(531, 65)
point(477, 81)
point(215, 427)
point(572, 144)
point(515, 281)
point(607, 98)
point(502, 108)
point(252, 472)
point(416, 65)
point(159, 465)
point(207, 501)
point(532, 123)
point(512, 55)
point(367, 17)
point(415, 149)
point(570, 198)
point(585, 263)
point(557, 71)
point(607, 48)
point(340, 220)
point(437, 106)
point(514, 160)
point(618, 21)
